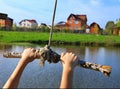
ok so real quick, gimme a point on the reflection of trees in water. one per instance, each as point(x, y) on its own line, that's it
point(17, 48)
point(4, 47)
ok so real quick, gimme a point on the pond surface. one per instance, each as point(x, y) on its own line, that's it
point(49, 76)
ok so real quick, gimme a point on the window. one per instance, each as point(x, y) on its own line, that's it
point(70, 28)
point(76, 21)
point(28, 25)
point(75, 28)
point(24, 24)
point(70, 22)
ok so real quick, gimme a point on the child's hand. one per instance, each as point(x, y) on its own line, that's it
point(69, 60)
point(28, 55)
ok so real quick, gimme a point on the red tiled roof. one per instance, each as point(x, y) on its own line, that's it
point(31, 21)
point(78, 17)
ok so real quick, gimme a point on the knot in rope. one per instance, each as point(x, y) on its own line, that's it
point(47, 54)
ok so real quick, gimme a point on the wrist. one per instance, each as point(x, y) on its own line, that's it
point(23, 61)
point(68, 69)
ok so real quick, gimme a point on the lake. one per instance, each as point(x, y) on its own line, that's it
point(49, 75)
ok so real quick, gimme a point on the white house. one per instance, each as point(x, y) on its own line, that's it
point(28, 23)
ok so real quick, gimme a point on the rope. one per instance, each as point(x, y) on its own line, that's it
point(52, 57)
point(45, 54)
point(50, 37)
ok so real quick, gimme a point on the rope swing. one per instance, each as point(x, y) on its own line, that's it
point(47, 54)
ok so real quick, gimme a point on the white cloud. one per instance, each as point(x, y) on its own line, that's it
point(96, 10)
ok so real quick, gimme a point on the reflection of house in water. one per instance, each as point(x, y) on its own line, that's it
point(96, 54)
point(79, 51)
point(91, 53)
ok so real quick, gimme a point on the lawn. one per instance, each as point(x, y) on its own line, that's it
point(10, 36)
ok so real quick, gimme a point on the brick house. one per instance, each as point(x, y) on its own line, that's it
point(77, 22)
point(62, 25)
point(74, 22)
point(94, 28)
point(5, 21)
point(26, 23)
point(116, 31)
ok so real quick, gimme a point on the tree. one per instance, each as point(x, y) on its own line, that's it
point(118, 23)
point(109, 27)
point(14, 28)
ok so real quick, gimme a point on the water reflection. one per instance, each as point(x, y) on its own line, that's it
point(49, 76)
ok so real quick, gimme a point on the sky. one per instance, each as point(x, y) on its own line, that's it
point(99, 11)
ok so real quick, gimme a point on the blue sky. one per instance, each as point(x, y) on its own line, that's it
point(100, 11)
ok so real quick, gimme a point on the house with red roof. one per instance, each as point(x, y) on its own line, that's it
point(74, 22)
point(26, 23)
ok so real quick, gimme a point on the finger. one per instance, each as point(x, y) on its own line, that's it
point(75, 58)
point(62, 54)
point(35, 55)
point(72, 54)
point(34, 50)
point(62, 62)
point(61, 58)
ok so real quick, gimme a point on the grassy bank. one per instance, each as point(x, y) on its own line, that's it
point(59, 38)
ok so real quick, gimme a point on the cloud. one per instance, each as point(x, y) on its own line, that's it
point(19, 11)
point(99, 11)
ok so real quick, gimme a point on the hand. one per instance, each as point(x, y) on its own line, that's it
point(69, 60)
point(28, 55)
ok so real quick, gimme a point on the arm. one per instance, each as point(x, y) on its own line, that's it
point(69, 61)
point(27, 56)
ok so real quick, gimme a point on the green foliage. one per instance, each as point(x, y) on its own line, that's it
point(109, 27)
point(42, 28)
point(0, 28)
point(55, 30)
point(66, 31)
point(14, 28)
point(118, 23)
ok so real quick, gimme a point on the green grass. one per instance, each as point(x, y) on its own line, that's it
point(8, 36)
point(86, 38)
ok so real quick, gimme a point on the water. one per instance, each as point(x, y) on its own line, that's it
point(49, 76)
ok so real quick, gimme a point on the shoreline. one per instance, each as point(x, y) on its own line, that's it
point(77, 43)
point(9, 37)
point(60, 43)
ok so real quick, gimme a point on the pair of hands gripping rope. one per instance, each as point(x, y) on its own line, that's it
point(46, 54)
point(68, 60)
